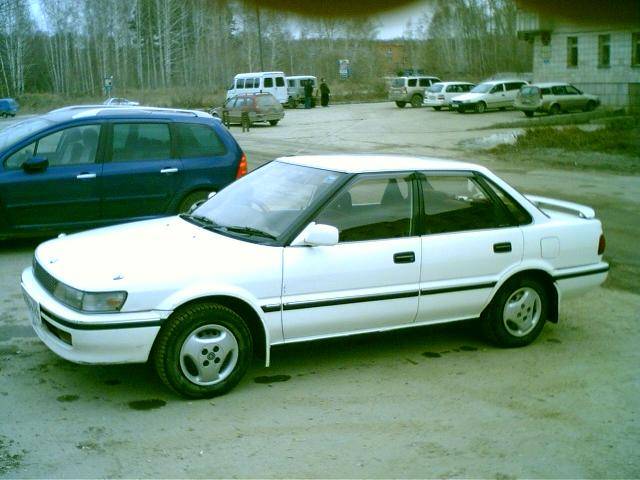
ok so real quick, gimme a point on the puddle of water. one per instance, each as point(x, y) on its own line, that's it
point(272, 379)
point(150, 404)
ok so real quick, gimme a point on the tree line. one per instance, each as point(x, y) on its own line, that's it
point(67, 47)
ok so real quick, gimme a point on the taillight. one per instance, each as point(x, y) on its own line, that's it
point(440, 97)
point(242, 167)
point(602, 243)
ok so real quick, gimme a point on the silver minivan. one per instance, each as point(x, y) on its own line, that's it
point(295, 89)
point(405, 90)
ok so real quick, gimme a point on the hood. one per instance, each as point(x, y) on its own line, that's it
point(466, 97)
point(158, 255)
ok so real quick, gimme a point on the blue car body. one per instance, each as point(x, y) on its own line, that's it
point(8, 107)
point(76, 168)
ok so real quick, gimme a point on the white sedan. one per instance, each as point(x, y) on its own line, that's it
point(306, 248)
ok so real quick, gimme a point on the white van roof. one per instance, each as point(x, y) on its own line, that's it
point(300, 77)
point(257, 74)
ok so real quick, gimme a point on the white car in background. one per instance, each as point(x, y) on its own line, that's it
point(440, 94)
point(114, 101)
point(488, 95)
point(306, 248)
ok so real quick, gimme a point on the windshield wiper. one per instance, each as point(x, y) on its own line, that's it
point(250, 231)
point(199, 220)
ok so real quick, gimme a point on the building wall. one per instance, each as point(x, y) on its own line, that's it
point(616, 85)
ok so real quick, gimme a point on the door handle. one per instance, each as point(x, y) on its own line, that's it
point(503, 247)
point(84, 176)
point(169, 170)
point(404, 257)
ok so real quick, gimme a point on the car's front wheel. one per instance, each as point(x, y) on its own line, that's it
point(193, 201)
point(416, 101)
point(517, 314)
point(437, 109)
point(273, 123)
point(203, 350)
point(481, 107)
point(401, 104)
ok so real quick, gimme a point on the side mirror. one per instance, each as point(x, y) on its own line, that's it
point(35, 164)
point(317, 235)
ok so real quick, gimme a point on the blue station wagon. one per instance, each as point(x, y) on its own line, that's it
point(82, 167)
point(8, 107)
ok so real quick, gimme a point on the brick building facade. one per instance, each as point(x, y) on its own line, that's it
point(601, 60)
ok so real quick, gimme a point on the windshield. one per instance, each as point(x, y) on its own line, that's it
point(482, 88)
point(398, 82)
point(436, 87)
point(267, 202)
point(13, 134)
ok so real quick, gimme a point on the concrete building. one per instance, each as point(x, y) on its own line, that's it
point(598, 59)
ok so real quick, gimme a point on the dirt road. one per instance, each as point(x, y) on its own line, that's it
point(428, 402)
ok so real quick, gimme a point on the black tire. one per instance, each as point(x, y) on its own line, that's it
point(497, 324)
point(273, 123)
point(416, 101)
point(461, 109)
point(528, 113)
point(192, 200)
point(481, 107)
point(590, 106)
point(502, 109)
point(554, 109)
point(176, 367)
point(437, 109)
point(401, 104)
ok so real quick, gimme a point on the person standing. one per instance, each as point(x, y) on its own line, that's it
point(308, 93)
point(324, 93)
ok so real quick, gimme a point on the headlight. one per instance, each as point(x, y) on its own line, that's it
point(89, 302)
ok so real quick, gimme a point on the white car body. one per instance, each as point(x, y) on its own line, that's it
point(299, 292)
point(499, 94)
point(274, 83)
point(443, 97)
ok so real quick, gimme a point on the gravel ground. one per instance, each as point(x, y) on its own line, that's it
point(426, 402)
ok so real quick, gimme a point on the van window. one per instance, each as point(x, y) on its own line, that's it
point(514, 85)
point(412, 82)
point(497, 88)
point(268, 82)
point(292, 83)
point(424, 82)
point(397, 82)
point(198, 141)
point(141, 141)
point(240, 83)
point(279, 81)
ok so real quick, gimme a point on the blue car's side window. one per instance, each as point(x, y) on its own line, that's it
point(141, 141)
point(196, 140)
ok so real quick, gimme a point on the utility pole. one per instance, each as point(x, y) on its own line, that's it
point(259, 38)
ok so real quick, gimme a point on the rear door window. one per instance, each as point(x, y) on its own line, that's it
point(279, 81)
point(268, 82)
point(514, 85)
point(412, 82)
point(558, 90)
point(140, 141)
point(196, 140)
point(424, 82)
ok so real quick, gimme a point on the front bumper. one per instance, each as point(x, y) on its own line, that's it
point(89, 338)
point(463, 105)
point(430, 102)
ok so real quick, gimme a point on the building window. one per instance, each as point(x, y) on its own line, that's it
point(604, 50)
point(572, 51)
point(635, 49)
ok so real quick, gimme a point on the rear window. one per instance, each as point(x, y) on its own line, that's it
point(398, 82)
point(292, 83)
point(279, 81)
point(196, 140)
point(268, 82)
point(436, 87)
point(266, 101)
point(530, 91)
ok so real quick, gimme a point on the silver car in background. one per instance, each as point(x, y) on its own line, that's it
point(440, 94)
point(553, 98)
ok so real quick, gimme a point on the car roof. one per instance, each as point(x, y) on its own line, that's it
point(378, 163)
point(105, 111)
point(418, 76)
point(296, 77)
point(257, 74)
point(504, 80)
point(454, 83)
point(549, 84)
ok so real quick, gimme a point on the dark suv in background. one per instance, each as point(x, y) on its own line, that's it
point(81, 167)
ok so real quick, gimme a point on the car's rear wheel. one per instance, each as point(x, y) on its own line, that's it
point(517, 314)
point(416, 101)
point(401, 104)
point(554, 109)
point(203, 350)
point(437, 109)
point(591, 105)
point(481, 107)
point(528, 113)
point(193, 201)
point(273, 123)
point(462, 109)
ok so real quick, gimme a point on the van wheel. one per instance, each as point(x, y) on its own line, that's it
point(462, 109)
point(273, 123)
point(437, 109)
point(401, 104)
point(590, 106)
point(416, 101)
point(193, 201)
point(517, 314)
point(481, 107)
point(528, 113)
point(203, 350)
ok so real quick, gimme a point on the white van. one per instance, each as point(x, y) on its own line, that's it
point(260, 82)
